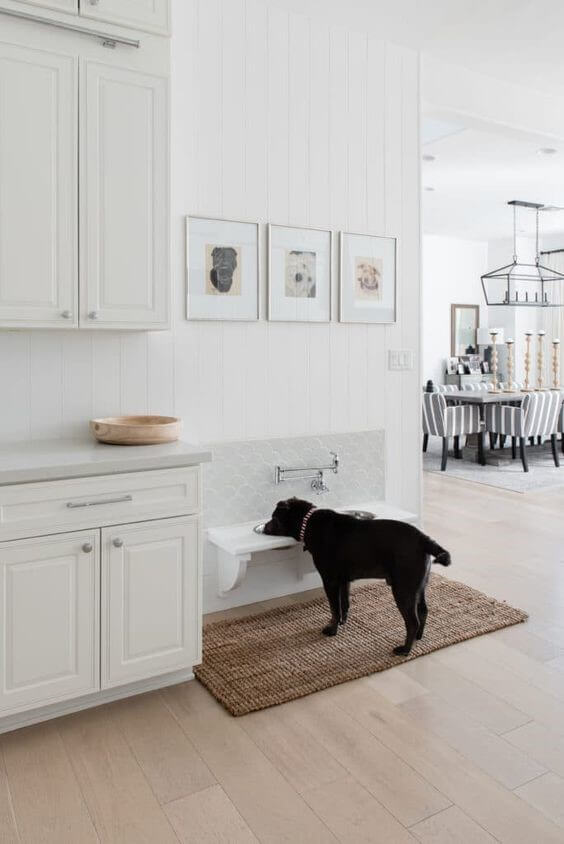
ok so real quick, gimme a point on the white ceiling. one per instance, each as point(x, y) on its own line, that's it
point(475, 173)
point(515, 40)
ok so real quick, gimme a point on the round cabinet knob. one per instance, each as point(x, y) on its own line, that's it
point(87, 547)
point(93, 315)
point(117, 542)
point(67, 315)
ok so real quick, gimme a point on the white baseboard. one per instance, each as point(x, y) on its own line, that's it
point(55, 710)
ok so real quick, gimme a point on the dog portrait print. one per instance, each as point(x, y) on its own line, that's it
point(300, 275)
point(368, 278)
point(223, 270)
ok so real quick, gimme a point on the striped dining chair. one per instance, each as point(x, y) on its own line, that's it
point(447, 388)
point(441, 420)
point(536, 417)
point(485, 386)
point(561, 426)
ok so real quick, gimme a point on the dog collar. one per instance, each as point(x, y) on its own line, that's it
point(306, 519)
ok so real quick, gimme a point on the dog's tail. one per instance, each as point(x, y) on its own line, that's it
point(434, 549)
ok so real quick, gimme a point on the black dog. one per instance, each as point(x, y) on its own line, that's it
point(346, 549)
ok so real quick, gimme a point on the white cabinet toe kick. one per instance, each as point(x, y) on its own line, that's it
point(104, 599)
point(235, 544)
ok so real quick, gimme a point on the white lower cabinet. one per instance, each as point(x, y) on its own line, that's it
point(151, 613)
point(49, 633)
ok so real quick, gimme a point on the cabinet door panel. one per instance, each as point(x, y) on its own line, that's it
point(49, 630)
point(151, 602)
point(38, 193)
point(152, 15)
point(58, 5)
point(124, 199)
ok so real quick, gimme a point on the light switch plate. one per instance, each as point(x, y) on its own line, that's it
point(400, 360)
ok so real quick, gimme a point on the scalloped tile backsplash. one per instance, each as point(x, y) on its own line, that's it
point(238, 484)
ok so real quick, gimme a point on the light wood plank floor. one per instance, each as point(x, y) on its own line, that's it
point(464, 745)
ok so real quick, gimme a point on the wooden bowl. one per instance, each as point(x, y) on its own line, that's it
point(136, 430)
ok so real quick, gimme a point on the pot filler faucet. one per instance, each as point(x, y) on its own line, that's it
point(315, 473)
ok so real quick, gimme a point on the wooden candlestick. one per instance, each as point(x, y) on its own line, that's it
point(540, 362)
point(510, 367)
point(493, 335)
point(556, 364)
point(527, 385)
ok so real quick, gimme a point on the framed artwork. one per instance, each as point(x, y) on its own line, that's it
point(368, 278)
point(299, 274)
point(464, 324)
point(222, 259)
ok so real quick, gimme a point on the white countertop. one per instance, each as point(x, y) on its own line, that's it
point(49, 460)
point(241, 539)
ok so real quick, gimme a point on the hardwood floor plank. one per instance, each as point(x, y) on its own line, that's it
point(451, 826)
point(120, 800)
point(8, 828)
point(505, 763)
point(396, 685)
point(271, 807)
point(489, 804)
point(507, 686)
point(541, 743)
point(546, 794)
point(168, 759)
point(208, 817)
point(402, 791)
point(47, 800)
point(354, 815)
point(464, 695)
point(302, 760)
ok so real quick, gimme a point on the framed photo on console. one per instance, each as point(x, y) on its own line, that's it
point(368, 278)
point(299, 274)
point(222, 259)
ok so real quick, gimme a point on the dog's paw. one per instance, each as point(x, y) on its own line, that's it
point(401, 650)
point(330, 630)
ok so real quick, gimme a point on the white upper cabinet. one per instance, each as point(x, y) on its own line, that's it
point(152, 15)
point(124, 236)
point(38, 188)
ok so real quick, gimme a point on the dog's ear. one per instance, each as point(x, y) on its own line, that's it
point(283, 505)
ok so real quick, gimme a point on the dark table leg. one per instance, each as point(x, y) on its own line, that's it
point(481, 453)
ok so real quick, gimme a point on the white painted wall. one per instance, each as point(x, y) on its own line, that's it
point(451, 275)
point(275, 117)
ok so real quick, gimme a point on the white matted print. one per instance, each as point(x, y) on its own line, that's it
point(299, 274)
point(223, 269)
point(368, 278)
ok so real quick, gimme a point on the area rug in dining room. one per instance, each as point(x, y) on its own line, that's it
point(279, 655)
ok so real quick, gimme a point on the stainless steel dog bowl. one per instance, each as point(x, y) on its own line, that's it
point(361, 515)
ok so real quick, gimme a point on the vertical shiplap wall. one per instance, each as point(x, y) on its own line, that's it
point(276, 117)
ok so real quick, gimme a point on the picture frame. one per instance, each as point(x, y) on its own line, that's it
point(222, 269)
point(464, 325)
point(452, 366)
point(300, 273)
point(368, 278)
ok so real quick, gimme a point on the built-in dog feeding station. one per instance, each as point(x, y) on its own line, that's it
point(235, 544)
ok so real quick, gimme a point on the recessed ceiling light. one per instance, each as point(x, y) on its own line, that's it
point(547, 151)
point(429, 189)
point(428, 157)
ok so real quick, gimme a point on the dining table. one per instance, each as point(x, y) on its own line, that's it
point(483, 398)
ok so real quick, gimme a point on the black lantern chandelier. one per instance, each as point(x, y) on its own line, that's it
point(524, 285)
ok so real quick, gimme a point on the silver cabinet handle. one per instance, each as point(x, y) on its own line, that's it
point(93, 315)
point(87, 547)
point(66, 314)
point(117, 542)
point(75, 505)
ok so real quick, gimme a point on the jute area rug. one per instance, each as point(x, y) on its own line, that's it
point(279, 655)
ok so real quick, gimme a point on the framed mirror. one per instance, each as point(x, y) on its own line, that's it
point(464, 324)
